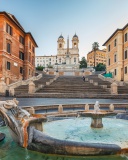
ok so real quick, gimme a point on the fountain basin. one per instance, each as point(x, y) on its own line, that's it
point(96, 117)
point(75, 137)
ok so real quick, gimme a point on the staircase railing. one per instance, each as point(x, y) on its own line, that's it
point(24, 82)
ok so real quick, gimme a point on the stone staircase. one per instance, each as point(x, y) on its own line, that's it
point(74, 85)
point(100, 82)
point(123, 89)
point(23, 89)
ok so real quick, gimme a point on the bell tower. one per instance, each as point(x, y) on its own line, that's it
point(61, 42)
point(75, 41)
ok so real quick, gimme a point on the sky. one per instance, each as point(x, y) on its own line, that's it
point(91, 20)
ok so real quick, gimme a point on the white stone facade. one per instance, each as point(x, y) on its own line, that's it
point(64, 57)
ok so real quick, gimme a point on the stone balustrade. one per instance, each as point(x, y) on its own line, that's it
point(52, 80)
point(104, 86)
point(86, 107)
point(3, 86)
point(95, 83)
point(60, 109)
point(114, 88)
point(111, 80)
point(111, 108)
point(31, 88)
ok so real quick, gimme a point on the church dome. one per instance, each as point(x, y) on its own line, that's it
point(75, 36)
point(61, 37)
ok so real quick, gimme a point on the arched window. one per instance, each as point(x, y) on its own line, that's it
point(60, 45)
point(75, 45)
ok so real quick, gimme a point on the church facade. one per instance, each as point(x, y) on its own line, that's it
point(66, 58)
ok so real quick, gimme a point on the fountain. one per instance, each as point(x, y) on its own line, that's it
point(96, 115)
point(29, 131)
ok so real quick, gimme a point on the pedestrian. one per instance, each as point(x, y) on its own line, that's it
point(83, 78)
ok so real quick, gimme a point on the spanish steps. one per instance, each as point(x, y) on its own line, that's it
point(42, 81)
point(71, 87)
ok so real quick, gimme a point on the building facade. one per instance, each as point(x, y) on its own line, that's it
point(17, 50)
point(100, 57)
point(117, 54)
point(65, 57)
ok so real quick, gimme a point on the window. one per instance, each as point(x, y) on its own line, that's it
point(109, 61)
point(125, 37)
point(33, 61)
point(21, 55)
point(8, 29)
point(115, 58)
point(21, 70)
point(29, 58)
point(33, 49)
point(109, 48)
point(125, 70)
point(115, 41)
point(115, 72)
point(8, 65)
point(8, 47)
point(21, 39)
point(74, 60)
point(60, 45)
point(49, 59)
point(29, 45)
point(29, 72)
point(125, 54)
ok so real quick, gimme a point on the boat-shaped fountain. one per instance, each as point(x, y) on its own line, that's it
point(32, 131)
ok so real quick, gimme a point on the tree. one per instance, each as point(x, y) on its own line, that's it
point(100, 67)
point(95, 47)
point(40, 68)
point(83, 63)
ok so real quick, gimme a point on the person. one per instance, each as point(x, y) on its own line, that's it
point(83, 78)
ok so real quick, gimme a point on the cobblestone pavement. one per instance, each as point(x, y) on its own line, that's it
point(50, 101)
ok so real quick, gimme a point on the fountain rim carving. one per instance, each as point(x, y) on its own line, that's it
point(32, 138)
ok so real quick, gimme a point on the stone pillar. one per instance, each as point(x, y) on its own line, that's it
point(95, 83)
point(111, 108)
point(114, 88)
point(11, 91)
point(86, 108)
point(31, 87)
point(60, 109)
point(91, 81)
point(3, 86)
point(86, 79)
point(96, 123)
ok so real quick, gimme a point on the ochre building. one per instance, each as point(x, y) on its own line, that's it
point(17, 50)
point(117, 54)
point(99, 55)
